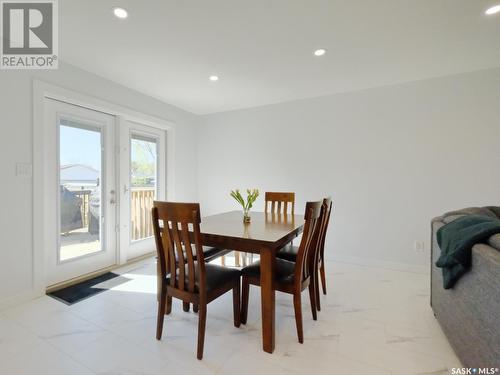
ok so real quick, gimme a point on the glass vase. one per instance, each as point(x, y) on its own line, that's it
point(246, 216)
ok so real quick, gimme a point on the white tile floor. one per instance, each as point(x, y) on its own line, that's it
point(373, 321)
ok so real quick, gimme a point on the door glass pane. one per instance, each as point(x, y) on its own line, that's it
point(143, 175)
point(80, 160)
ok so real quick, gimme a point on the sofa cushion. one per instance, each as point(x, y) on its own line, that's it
point(494, 241)
point(495, 210)
point(453, 215)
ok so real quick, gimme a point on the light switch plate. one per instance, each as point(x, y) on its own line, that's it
point(24, 169)
point(419, 246)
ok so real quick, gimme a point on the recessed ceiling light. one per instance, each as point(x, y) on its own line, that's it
point(320, 52)
point(493, 10)
point(120, 13)
point(213, 78)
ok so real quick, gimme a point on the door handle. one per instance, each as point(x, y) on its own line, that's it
point(112, 200)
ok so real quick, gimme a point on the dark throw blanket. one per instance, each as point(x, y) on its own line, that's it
point(456, 240)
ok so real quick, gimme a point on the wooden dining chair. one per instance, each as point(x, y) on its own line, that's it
point(183, 270)
point(291, 277)
point(278, 202)
point(290, 252)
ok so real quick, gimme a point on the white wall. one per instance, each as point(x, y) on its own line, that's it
point(392, 158)
point(16, 145)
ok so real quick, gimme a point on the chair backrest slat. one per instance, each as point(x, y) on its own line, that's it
point(279, 202)
point(309, 243)
point(175, 245)
point(189, 256)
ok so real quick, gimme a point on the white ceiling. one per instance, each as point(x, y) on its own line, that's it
point(262, 49)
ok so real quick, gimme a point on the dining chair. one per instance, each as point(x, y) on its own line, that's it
point(290, 252)
point(184, 273)
point(291, 277)
point(279, 202)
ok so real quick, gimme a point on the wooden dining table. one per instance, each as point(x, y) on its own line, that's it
point(264, 235)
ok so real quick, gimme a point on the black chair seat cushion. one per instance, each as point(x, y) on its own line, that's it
point(289, 252)
point(216, 276)
point(284, 271)
point(211, 253)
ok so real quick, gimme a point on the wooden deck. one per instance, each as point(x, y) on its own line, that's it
point(81, 242)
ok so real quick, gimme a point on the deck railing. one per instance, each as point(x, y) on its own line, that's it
point(141, 203)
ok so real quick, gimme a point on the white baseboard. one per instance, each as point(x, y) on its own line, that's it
point(18, 299)
point(395, 266)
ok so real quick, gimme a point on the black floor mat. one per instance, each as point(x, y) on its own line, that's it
point(78, 292)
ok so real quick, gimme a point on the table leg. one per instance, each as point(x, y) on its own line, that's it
point(267, 264)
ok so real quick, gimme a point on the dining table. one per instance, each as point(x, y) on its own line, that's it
point(265, 235)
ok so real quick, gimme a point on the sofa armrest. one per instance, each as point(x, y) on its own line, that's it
point(469, 312)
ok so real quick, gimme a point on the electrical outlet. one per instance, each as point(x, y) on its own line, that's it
point(419, 246)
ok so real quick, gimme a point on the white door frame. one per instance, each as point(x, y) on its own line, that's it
point(42, 90)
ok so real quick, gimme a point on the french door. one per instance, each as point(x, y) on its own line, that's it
point(82, 179)
point(104, 173)
point(142, 180)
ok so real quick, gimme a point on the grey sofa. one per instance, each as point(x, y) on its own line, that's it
point(469, 313)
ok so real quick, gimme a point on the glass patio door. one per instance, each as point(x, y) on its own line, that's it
point(83, 190)
point(142, 180)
